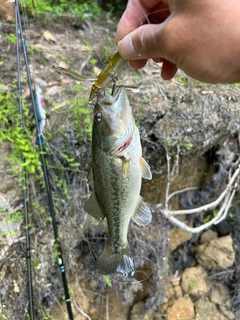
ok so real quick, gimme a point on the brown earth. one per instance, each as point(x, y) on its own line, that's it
point(198, 122)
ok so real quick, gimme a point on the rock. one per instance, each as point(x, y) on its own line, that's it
point(49, 36)
point(164, 308)
point(194, 282)
point(182, 308)
point(218, 253)
point(177, 237)
point(41, 82)
point(208, 236)
point(175, 279)
point(7, 11)
point(207, 310)
point(63, 64)
point(178, 291)
point(53, 90)
point(34, 34)
point(26, 93)
point(52, 83)
point(4, 203)
point(65, 81)
point(227, 313)
point(219, 294)
point(139, 312)
point(170, 293)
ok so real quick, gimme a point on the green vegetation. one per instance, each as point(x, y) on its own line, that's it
point(236, 85)
point(65, 60)
point(11, 38)
point(80, 113)
point(83, 9)
point(140, 110)
point(190, 82)
point(187, 145)
point(172, 146)
point(107, 281)
point(183, 79)
point(210, 216)
point(192, 284)
point(20, 138)
point(2, 316)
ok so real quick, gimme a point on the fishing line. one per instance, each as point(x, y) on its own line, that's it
point(24, 181)
point(44, 168)
point(26, 29)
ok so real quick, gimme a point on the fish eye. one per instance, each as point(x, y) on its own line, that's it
point(98, 117)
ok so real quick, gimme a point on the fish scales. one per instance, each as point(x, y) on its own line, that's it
point(115, 177)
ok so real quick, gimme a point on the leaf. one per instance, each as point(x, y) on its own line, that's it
point(49, 37)
point(108, 281)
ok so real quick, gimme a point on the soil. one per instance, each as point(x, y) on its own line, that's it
point(195, 124)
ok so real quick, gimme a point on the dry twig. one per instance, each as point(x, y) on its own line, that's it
point(225, 198)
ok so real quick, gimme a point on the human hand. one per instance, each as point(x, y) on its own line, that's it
point(202, 37)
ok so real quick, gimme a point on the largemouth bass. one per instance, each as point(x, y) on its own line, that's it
point(115, 177)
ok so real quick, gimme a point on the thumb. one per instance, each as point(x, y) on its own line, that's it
point(145, 42)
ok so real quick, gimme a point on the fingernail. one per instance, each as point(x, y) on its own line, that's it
point(126, 48)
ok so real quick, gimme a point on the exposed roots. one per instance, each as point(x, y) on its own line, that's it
point(224, 200)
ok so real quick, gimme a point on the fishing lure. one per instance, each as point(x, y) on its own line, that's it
point(108, 75)
point(73, 75)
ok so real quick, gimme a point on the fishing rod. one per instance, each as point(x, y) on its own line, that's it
point(44, 168)
point(24, 184)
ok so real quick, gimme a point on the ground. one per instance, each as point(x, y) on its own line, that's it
point(195, 125)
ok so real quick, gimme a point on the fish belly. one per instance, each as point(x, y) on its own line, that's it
point(117, 196)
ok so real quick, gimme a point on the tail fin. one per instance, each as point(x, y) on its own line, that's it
point(109, 263)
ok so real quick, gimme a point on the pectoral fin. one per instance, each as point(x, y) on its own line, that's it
point(92, 207)
point(142, 216)
point(125, 168)
point(146, 172)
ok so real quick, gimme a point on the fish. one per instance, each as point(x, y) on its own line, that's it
point(41, 112)
point(115, 178)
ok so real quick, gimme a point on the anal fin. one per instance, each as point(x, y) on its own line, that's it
point(142, 216)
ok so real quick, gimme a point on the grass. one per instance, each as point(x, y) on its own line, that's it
point(19, 138)
point(84, 9)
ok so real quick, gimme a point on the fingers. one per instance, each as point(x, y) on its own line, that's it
point(143, 43)
point(138, 64)
point(148, 42)
point(140, 12)
point(168, 70)
point(197, 37)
